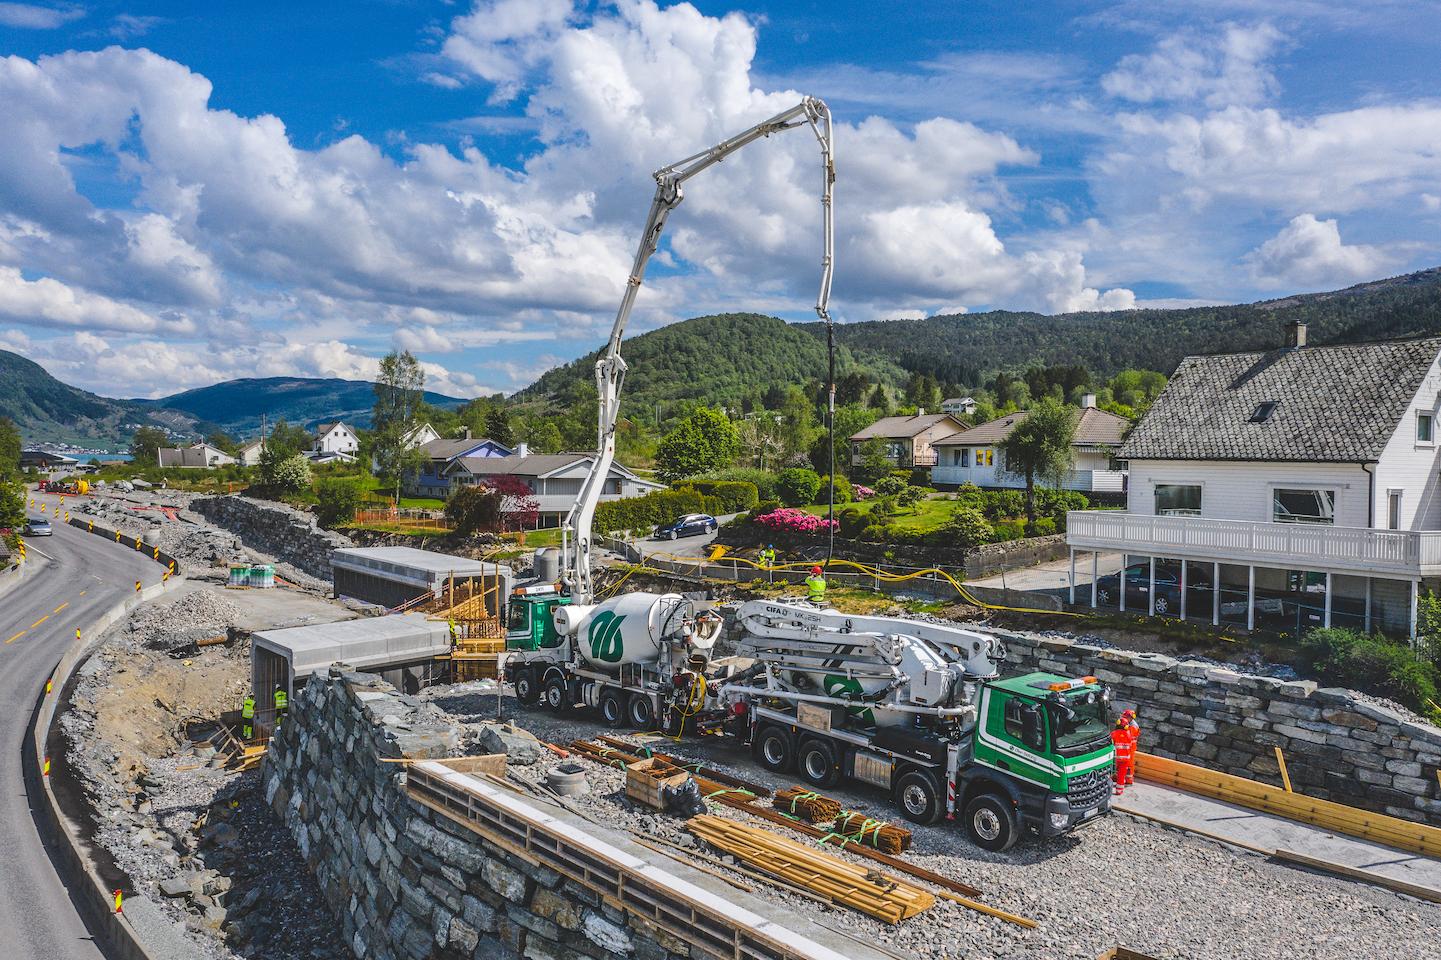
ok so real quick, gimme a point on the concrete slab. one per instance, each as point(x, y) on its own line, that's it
point(1253, 828)
point(1054, 577)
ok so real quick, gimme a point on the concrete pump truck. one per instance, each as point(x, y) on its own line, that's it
point(913, 708)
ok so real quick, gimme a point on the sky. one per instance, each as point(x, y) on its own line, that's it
point(191, 193)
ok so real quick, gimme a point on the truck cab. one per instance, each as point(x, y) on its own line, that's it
point(531, 640)
point(1041, 757)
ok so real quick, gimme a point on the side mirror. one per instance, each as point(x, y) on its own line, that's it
point(1032, 730)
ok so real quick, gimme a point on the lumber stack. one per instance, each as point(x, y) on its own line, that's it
point(806, 804)
point(873, 833)
point(869, 891)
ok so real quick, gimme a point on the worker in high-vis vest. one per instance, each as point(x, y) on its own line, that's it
point(247, 716)
point(281, 703)
point(816, 586)
point(768, 556)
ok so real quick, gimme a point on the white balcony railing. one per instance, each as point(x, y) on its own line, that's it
point(1288, 545)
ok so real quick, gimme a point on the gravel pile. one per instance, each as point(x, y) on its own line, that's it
point(181, 623)
point(1121, 881)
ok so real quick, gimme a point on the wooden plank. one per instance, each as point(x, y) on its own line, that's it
point(1018, 920)
point(1391, 831)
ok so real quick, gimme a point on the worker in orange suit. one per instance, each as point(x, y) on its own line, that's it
point(1124, 738)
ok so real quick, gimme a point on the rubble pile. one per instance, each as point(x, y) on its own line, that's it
point(181, 623)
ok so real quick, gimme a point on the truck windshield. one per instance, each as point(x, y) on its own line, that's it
point(1079, 723)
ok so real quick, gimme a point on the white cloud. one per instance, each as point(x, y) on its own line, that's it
point(29, 16)
point(1217, 69)
point(500, 40)
point(1309, 253)
point(47, 302)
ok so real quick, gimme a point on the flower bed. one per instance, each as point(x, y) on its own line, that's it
point(791, 520)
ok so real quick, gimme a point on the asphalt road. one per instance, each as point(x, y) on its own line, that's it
point(72, 578)
point(697, 545)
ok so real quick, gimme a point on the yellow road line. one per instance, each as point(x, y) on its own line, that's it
point(61, 607)
point(16, 637)
point(40, 621)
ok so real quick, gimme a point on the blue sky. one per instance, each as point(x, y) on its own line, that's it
point(190, 194)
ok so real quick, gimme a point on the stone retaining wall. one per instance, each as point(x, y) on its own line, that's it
point(1337, 746)
point(283, 532)
point(406, 882)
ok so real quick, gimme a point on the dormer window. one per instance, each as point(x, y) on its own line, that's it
point(1263, 411)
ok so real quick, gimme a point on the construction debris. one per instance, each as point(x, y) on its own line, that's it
point(806, 804)
point(873, 833)
point(869, 891)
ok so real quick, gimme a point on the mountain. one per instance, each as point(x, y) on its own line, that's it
point(969, 348)
point(47, 410)
point(237, 406)
point(719, 359)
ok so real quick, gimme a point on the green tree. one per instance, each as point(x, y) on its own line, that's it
point(337, 499)
point(544, 437)
point(705, 440)
point(798, 427)
point(9, 448)
point(223, 442)
point(283, 442)
point(498, 427)
point(798, 486)
point(474, 508)
point(760, 438)
point(399, 392)
point(288, 476)
point(1039, 447)
point(12, 484)
point(880, 400)
point(145, 446)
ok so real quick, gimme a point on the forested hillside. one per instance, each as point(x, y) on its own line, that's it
point(731, 360)
point(972, 348)
point(46, 409)
point(237, 406)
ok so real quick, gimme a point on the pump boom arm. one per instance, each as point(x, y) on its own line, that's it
point(610, 368)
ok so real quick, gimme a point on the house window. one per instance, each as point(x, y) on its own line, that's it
point(1263, 411)
point(1393, 509)
point(1423, 428)
point(984, 457)
point(1303, 506)
point(1178, 500)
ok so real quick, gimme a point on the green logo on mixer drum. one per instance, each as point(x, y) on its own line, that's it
point(848, 688)
point(605, 639)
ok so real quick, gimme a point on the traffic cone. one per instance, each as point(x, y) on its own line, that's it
point(119, 898)
point(45, 770)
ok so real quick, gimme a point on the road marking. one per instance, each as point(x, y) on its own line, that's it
point(40, 621)
point(83, 592)
point(31, 546)
point(16, 637)
point(61, 607)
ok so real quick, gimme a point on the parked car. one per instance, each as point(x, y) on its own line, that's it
point(689, 525)
point(37, 527)
point(1168, 588)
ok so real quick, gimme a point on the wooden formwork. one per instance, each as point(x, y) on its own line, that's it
point(715, 926)
point(471, 606)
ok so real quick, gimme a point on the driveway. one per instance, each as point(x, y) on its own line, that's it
point(1054, 578)
point(688, 547)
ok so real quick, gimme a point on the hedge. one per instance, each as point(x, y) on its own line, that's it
point(653, 509)
point(734, 496)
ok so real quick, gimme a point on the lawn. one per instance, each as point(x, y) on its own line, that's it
point(370, 488)
point(927, 516)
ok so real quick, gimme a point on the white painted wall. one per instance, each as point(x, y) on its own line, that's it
point(1412, 467)
point(1092, 471)
point(1235, 490)
point(340, 439)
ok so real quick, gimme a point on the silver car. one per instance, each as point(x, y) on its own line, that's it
point(37, 527)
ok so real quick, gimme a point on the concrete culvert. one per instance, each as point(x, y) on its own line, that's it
point(568, 780)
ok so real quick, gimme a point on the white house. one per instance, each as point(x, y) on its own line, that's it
point(250, 453)
point(554, 479)
point(975, 455)
point(419, 435)
point(1304, 481)
point(335, 438)
point(199, 456)
point(959, 406)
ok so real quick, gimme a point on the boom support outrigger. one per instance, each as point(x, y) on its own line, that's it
point(610, 368)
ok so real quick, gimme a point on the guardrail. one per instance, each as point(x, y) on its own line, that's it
point(92, 896)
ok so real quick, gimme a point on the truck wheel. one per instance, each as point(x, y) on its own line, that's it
point(774, 750)
point(612, 708)
point(557, 695)
point(640, 712)
point(818, 764)
point(991, 823)
point(918, 797)
point(526, 690)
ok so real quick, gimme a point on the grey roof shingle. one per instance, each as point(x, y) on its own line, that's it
point(1336, 404)
point(1094, 428)
point(893, 428)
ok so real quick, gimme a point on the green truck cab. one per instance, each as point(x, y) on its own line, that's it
point(1041, 758)
point(531, 640)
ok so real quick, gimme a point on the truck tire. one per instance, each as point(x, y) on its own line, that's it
point(818, 764)
point(775, 750)
point(611, 706)
point(526, 689)
point(640, 712)
point(557, 695)
point(918, 797)
point(991, 823)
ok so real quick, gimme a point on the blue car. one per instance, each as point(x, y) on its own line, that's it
point(37, 527)
point(689, 525)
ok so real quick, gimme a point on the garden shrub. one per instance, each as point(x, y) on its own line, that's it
point(910, 496)
point(851, 521)
point(798, 486)
point(1009, 530)
point(652, 510)
point(764, 480)
point(967, 527)
point(890, 486)
point(765, 507)
point(1371, 664)
point(873, 533)
point(791, 520)
point(843, 489)
point(336, 500)
point(732, 496)
point(1043, 527)
point(1002, 504)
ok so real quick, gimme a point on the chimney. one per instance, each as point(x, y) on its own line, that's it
point(1088, 400)
point(467, 434)
point(522, 449)
point(920, 411)
point(1298, 335)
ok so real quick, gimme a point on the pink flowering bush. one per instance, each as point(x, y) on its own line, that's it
point(862, 492)
point(790, 520)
